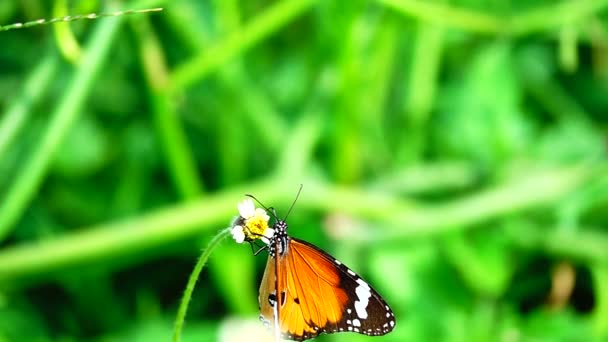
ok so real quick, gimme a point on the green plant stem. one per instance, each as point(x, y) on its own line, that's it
point(119, 241)
point(411, 220)
point(446, 15)
point(150, 232)
point(423, 79)
point(428, 178)
point(64, 36)
point(19, 112)
point(600, 310)
point(202, 260)
point(258, 108)
point(586, 244)
point(261, 27)
point(32, 174)
point(568, 48)
point(561, 13)
point(178, 154)
point(298, 151)
point(534, 20)
point(557, 101)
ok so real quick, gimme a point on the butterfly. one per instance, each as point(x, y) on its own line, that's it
point(309, 291)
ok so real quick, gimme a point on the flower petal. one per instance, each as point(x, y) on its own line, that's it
point(269, 232)
point(262, 214)
point(237, 234)
point(246, 208)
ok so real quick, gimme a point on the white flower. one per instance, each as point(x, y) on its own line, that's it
point(236, 329)
point(247, 209)
point(237, 234)
point(252, 224)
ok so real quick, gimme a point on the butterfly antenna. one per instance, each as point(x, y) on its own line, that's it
point(271, 210)
point(294, 202)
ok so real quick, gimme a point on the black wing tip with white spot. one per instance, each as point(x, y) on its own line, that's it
point(370, 315)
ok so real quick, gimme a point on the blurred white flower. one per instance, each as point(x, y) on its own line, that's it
point(240, 329)
point(252, 223)
point(247, 208)
point(237, 234)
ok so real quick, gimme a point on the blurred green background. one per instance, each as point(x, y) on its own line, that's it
point(452, 152)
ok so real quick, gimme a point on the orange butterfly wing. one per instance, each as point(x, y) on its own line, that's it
point(320, 294)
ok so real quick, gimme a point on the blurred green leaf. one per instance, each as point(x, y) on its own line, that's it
point(85, 150)
point(481, 108)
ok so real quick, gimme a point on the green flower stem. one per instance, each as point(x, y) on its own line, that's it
point(446, 15)
point(32, 174)
point(202, 260)
point(261, 27)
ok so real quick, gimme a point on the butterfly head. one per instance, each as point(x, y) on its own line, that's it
point(251, 224)
point(280, 227)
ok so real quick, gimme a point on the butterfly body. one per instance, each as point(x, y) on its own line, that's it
point(317, 293)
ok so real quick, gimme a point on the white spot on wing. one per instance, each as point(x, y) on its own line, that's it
point(363, 294)
point(356, 322)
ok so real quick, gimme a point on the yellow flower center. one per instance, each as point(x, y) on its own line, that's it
point(255, 227)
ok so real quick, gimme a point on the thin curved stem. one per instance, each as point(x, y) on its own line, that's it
point(202, 261)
